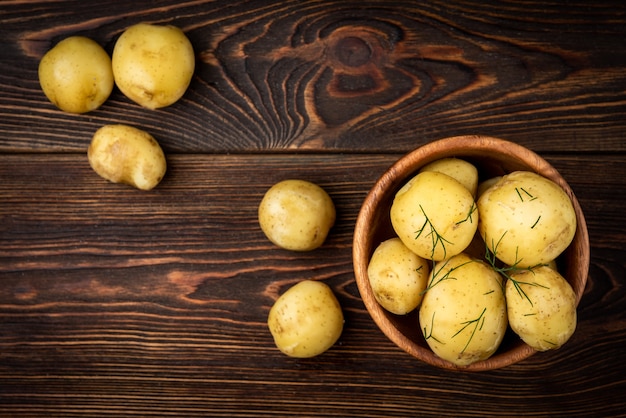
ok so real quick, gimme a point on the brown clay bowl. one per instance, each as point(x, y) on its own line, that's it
point(492, 157)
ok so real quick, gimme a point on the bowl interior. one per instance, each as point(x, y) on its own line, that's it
point(493, 157)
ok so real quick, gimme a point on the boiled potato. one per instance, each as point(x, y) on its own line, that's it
point(76, 75)
point(526, 219)
point(462, 171)
point(541, 307)
point(306, 320)
point(463, 313)
point(434, 215)
point(484, 185)
point(153, 65)
point(296, 215)
point(124, 154)
point(397, 276)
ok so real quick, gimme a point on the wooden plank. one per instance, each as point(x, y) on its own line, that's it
point(335, 75)
point(120, 302)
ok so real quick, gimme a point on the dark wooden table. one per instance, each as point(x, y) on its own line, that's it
point(116, 302)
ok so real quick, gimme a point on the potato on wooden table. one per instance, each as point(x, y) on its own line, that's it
point(76, 75)
point(125, 154)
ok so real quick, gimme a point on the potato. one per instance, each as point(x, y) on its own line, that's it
point(526, 219)
point(541, 307)
point(306, 320)
point(397, 276)
point(484, 185)
point(124, 154)
point(434, 215)
point(153, 65)
point(462, 171)
point(296, 215)
point(76, 75)
point(463, 313)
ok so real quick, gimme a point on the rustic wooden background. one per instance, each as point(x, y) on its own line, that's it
point(115, 302)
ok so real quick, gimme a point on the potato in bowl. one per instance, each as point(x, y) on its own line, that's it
point(493, 158)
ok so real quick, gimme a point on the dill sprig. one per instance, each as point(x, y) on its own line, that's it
point(436, 279)
point(427, 335)
point(469, 218)
point(478, 325)
point(491, 257)
point(436, 237)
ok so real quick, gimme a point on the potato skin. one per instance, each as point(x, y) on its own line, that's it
point(526, 219)
point(76, 75)
point(434, 215)
point(541, 307)
point(153, 65)
point(463, 313)
point(124, 154)
point(306, 320)
point(296, 215)
point(397, 276)
point(462, 171)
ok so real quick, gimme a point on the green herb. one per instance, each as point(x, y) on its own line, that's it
point(427, 335)
point(478, 324)
point(437, 238)
point(491, 257)
point(436, 279)
point(521, 192)
point(536, 222)
point(469, 215)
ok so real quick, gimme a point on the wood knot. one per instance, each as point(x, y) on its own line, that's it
point(352, 51)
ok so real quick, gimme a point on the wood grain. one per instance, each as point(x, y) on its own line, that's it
point(120, 302)
point(115, 302)
point(365, 75)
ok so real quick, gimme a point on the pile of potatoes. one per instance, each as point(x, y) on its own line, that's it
point(307, 319)
point(475, 259)
point(151, 64)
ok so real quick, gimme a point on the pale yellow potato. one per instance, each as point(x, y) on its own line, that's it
point(462, 171)
point(76, 75)
point(484, 185)
point(434, 215)
point(526, 219)
point(541, 307)
point(296, 215)
point(153, 65)
point(463, 313)
point(306, 320)
point(397, 276)
point(124, 154)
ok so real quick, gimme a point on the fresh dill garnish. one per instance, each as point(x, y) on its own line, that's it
point(521, 192)
point(436, 279)
point(437, 238)
point(478, 324)
point(469, 215)
point(536, 222)
point(427, 335)
point(491, 257)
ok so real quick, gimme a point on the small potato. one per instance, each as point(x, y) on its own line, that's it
point(296, 215)
point(541, 307)
point(463, 313)
point(306, 320)
point(484, 185)
point(76, 75)
point(434, 215)
point(123, 154)
point(526, 219)
point(153, 65)
point(398, 276)
point(462, 171)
